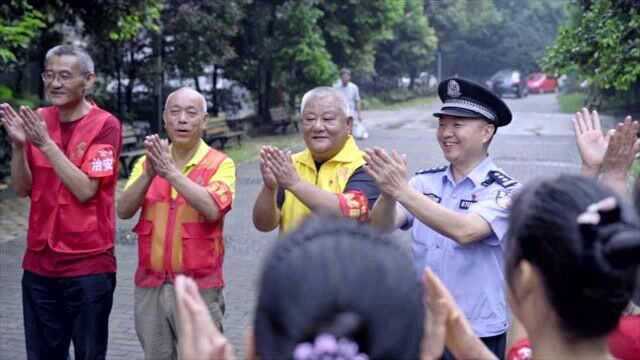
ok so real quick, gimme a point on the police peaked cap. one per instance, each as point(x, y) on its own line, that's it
point(465, 99)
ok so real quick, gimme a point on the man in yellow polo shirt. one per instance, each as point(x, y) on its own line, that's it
point(184, 191)
point(327, 177)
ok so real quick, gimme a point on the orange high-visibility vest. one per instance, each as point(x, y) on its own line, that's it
point(174, 238)
point(56, 216)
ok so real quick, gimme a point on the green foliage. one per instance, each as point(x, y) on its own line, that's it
point(304, 61)
point(601, 43)
point(411, 49)
point(19, 24)
point(352, 29)
point(479, 37)
point(198, 34)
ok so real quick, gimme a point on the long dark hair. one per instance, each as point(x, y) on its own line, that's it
point(588, 271)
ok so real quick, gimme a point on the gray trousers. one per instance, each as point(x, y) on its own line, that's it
point(156, 319)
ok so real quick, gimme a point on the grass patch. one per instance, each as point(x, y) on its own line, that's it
point(250, 147)
point(378, 104)
point(572, 102)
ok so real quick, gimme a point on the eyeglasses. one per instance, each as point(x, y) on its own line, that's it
point(64, 76)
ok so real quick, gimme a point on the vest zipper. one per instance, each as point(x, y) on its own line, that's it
point(168, 241)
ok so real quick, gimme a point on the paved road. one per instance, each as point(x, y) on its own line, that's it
point(538, 143)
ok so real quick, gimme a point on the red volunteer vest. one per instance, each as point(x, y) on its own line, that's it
point(174, 238)
point(56, 217)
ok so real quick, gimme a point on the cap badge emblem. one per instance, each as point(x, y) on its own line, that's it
point(453, 89)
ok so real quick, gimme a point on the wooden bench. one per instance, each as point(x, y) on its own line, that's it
point(132, 149)
point(217, 131)
point(280, 119)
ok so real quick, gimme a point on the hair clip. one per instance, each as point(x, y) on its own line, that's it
point(327, 347)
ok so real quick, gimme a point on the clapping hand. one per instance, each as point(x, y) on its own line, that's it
point(449, 323)
point(388, 171)
point(198, 336)
point(157, 150)
point(13, 123)
point(34, 127)
point(622, 149)
point(279, 164)
point(268, 177)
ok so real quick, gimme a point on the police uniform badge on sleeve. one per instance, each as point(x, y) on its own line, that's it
point(503, 199)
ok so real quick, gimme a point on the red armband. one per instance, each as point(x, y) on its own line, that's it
point(354, 205)
point(99, 161)
point(521, 350)
point(221, 194)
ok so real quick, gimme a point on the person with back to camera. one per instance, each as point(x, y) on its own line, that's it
point(573, 252)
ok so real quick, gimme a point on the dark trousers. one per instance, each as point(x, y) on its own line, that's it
point(497, 344)
point(59, 310)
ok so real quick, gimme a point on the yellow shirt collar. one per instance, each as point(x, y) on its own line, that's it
point(349, 152)
point(200, 153)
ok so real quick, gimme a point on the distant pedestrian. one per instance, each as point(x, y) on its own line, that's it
point(351, 92)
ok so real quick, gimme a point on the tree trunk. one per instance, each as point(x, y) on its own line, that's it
point(131, 75)
point(118, 69)
point(197, 82)
point(214, 91)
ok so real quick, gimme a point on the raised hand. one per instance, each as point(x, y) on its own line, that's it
point(268, 178)
point(388, 171)
point(198, 336)
point(592, 142)
point(620, 154)
point(12, 122)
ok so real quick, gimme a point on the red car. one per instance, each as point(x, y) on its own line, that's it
point(541, 83)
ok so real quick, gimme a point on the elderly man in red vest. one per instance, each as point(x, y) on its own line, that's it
point(64, 159)
point(184, 191)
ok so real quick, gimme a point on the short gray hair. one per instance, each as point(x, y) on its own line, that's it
point(323, 91)
point(86, 63)
point(186, 88)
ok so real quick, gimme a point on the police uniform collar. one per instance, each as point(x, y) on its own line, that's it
point(349, 152)
point(477, 175)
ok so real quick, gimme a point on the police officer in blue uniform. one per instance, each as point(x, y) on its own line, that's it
point(457, 213)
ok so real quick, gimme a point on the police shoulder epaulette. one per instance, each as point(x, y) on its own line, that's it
point(432, 170)
point(499, 178)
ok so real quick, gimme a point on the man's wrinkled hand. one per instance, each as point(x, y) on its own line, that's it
point(280, 164)
point(161, 159)
point(268, 178)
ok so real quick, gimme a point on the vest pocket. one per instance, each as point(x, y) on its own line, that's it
point(144, 229)
point(78, 229)
point(199, 246)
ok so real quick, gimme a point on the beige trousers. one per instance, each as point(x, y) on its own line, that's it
point(156, 319)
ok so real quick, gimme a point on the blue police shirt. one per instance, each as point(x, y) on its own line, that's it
point(473, 273)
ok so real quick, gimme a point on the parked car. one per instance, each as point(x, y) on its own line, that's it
point(541, 83)
point(508, 82)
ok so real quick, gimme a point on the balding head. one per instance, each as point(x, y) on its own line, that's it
point(190, 92)
point(185, 117)
point(322, 92)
